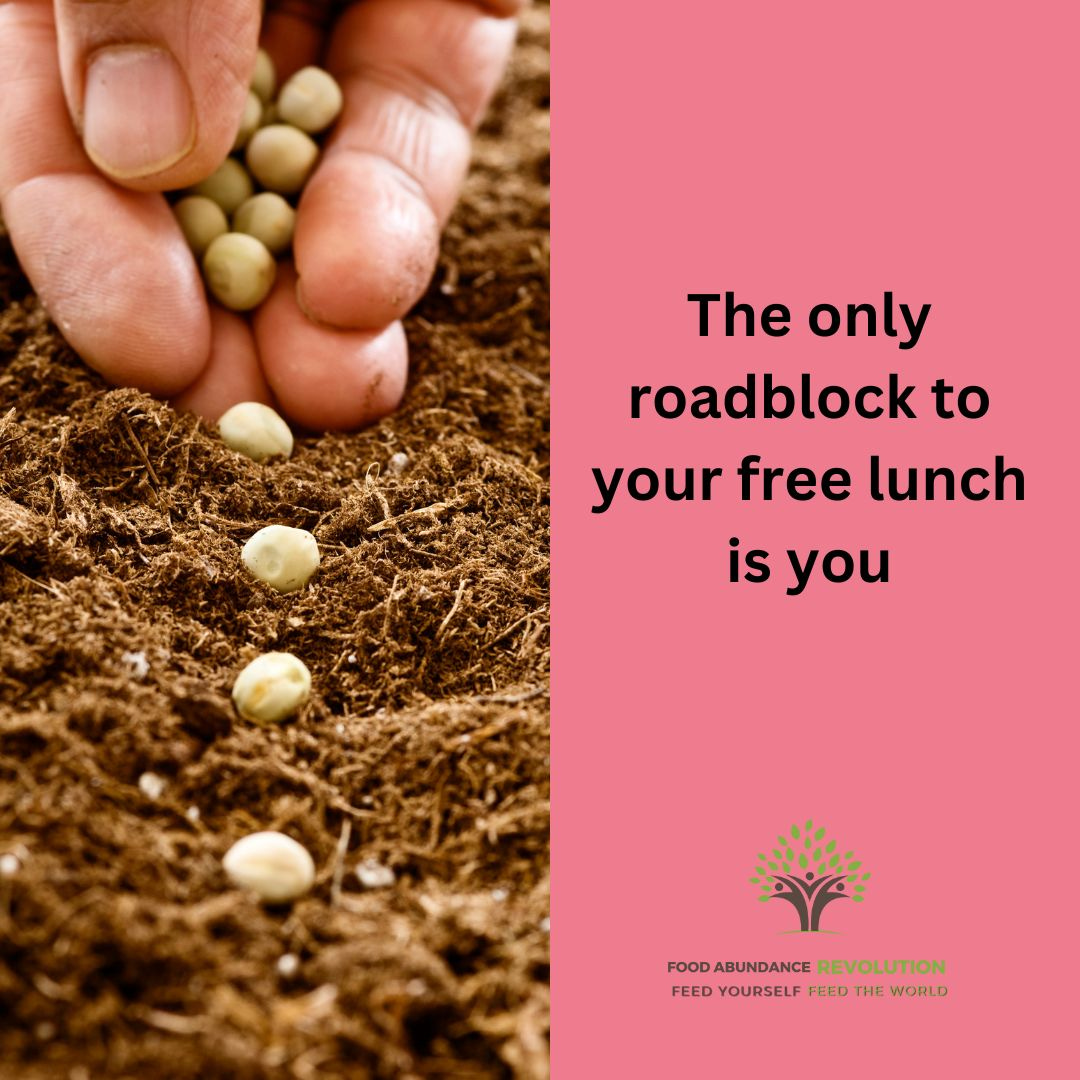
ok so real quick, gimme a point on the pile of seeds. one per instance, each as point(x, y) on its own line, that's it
point(236, 231)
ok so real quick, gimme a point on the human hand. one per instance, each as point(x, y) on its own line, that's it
point(156, 89)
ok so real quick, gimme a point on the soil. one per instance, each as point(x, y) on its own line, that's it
point(125, 616)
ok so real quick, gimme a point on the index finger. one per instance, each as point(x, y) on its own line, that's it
point(417, 75)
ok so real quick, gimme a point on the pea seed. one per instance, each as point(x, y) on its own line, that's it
point(310, 100)
point(282, 557)
point(269, 218)
point(255, 430)
point(249, 121)
point(264, 79)
point(281, 158)
point(239, 271)
point(271, 688)
point(201, 221)
point(229, 186)
point(272, 865)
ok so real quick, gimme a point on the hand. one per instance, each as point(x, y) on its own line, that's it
point(103, 105)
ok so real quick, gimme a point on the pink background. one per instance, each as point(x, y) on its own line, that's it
point(800, 153)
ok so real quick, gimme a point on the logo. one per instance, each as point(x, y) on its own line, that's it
point(808, 872)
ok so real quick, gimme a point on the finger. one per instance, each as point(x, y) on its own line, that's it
point(325, 379)
point(294, 33)
point(417, 75)
point(156, 89)
point(504, 7)
point(129, 301)
point(232, 374)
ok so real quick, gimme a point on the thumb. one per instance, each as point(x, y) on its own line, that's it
point(157, 87)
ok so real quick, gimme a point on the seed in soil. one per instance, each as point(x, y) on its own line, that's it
point(282, 557)
point(264, 78)
point(250, 120)
point(229, 185)
point(272, 688)
point(256, 431)
point(310, 100)
point(201, 221)
point(281, 158)
point(271, 864)
point(239, 271)
point(269, 218)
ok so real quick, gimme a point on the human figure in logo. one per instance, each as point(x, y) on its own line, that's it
point(809, 897)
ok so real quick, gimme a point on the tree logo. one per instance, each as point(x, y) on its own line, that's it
point(809, 874)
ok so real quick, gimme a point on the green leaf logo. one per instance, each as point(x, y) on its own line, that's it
point(811, 877)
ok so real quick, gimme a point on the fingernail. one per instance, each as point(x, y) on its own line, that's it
point(138, 117)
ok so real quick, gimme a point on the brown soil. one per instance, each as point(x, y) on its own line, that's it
point(123, 951)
